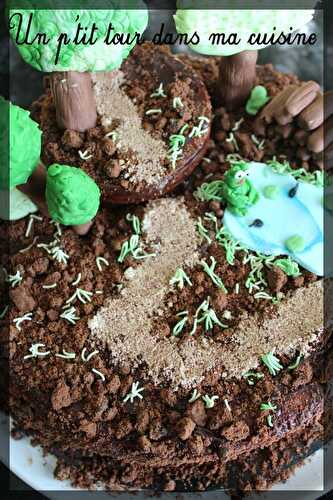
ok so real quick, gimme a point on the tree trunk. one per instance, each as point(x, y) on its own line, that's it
point(237, 78)
point(35, 188)
point(74, 100)
point(83, 229)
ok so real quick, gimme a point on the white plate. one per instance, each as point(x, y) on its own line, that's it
point(36, 470)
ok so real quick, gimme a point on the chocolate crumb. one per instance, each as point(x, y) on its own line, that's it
point(61, 397)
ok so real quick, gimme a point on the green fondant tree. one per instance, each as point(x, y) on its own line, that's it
point(70, 78)
point(238, 64)
point(72, 196)
point(20, 145)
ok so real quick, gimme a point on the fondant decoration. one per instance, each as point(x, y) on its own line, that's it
point(295, 243)
point(20, 141)
point(271, 192)
point(244, 22)
point(225, 32)
point(237, 189)
point(15, 205)
point(257, 223)
point(69, 63)
point(291, 226)
point(258, 98)
point(78, 56)
point(72, 196)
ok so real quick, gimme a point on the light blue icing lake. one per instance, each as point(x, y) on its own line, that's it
point(284, 217)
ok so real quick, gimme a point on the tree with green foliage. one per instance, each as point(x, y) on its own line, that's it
point(20, 141)
point(225, 32)
point(70, 64)
point(72, 196)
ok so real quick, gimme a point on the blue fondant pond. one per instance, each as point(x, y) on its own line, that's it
point(295, 210)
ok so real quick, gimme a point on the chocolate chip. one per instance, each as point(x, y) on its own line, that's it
point(109, 147)
point(276, 278)
point(197, 412)
point(112, 168)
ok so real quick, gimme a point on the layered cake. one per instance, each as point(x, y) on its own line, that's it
point(179, 344)
point(189, 363)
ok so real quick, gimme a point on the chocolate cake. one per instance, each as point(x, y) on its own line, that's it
point(161, 97)
point(156, 352)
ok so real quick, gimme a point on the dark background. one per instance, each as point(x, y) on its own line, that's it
point(25, 85)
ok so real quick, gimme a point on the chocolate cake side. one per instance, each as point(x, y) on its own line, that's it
point(71, 387)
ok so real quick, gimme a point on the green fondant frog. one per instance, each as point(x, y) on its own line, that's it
point(238, 191)
point(72, 196)
point(20, 145)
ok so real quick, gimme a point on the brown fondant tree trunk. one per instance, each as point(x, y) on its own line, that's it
point(237, 78)
point(35, 188)
point(74, 100)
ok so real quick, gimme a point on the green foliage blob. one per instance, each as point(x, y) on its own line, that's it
point(295, 243)
point(20, 145)
point(288, 266)
point(72, 196)
point(192, 16)
point(97, 57)
point(257, 100)
point(271, 192)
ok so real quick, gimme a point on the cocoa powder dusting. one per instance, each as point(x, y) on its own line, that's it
point(113, 105)
point(125, 323)
point(290, 329)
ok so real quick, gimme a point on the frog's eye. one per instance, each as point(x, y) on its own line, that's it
point(247, 173)
point(240, 175)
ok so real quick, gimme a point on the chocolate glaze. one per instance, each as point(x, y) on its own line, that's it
point(166, 68)
point(120, 196)
point(299, 409)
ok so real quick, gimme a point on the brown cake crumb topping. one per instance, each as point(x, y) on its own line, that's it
point(132, 139)
point(285, 332)
point(125, 323)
